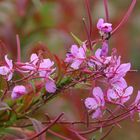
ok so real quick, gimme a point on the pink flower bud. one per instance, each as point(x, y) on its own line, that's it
point(18, 91)
point(103, 26)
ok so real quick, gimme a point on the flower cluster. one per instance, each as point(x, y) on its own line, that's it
point(97, 102)
point(98, 65)
point(44, 68)
point(76, 56)
point(109, 68)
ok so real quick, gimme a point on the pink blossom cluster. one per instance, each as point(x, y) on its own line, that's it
point(44, 68)
point(103, 66)
point(110, 70)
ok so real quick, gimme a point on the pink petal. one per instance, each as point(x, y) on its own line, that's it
point(118, 82)
point(50, 86)
point(69, 58)
point(97, 114)
point(123, 69)
point(34, 58)
point(100, 23)
point(91, 103)
point(9, 62)
point(81, 54)
point(4, 70)
point(82, 51)
point(74, 50)
point(76, 64)
point(107, 27)
point(98, 94)
point(47, 63)
point(98, 53)
point(128, 91)
point(10, 75)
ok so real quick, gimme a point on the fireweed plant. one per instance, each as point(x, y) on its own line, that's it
point(108, 104)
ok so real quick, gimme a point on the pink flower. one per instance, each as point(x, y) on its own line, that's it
point(119, 95)
point(99, 59)
point(18, 91)
point(95, 102)
point(45, 68)
point(76, 56)
point(7, 70)
point(117, 70)
point(103, 26)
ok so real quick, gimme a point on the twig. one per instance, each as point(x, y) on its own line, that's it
point(46, 128)
point(18, 49)
point(106, 10)
point(107, 133)
point(87, 33)
point(89, 16)
point(58, 135)
point(125, 17)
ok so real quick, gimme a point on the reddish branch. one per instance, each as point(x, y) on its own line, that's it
point(109, 123)
point(46, 128)
point(89, 16)
point(107, 133)
point(18, 49)
point(125, 17)
point(58, 135)
point(106, 10)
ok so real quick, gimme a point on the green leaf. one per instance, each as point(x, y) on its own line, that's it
point(11, 121)
point(76, 39)
point(64, 82)
point(16, 132)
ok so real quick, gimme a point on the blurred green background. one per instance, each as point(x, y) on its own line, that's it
point(51, 21)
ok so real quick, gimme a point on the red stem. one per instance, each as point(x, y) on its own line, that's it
point(89, 16)
point(106, 10)
point(88, 34)
point(127, 114)
point(58, 135)
point(46, 128)
point(125, 17)
point(107, 133)
point(18, 49)
point(77, 134)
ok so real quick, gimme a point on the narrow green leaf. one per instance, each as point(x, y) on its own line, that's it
point(76, 39)
point(16, 132)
